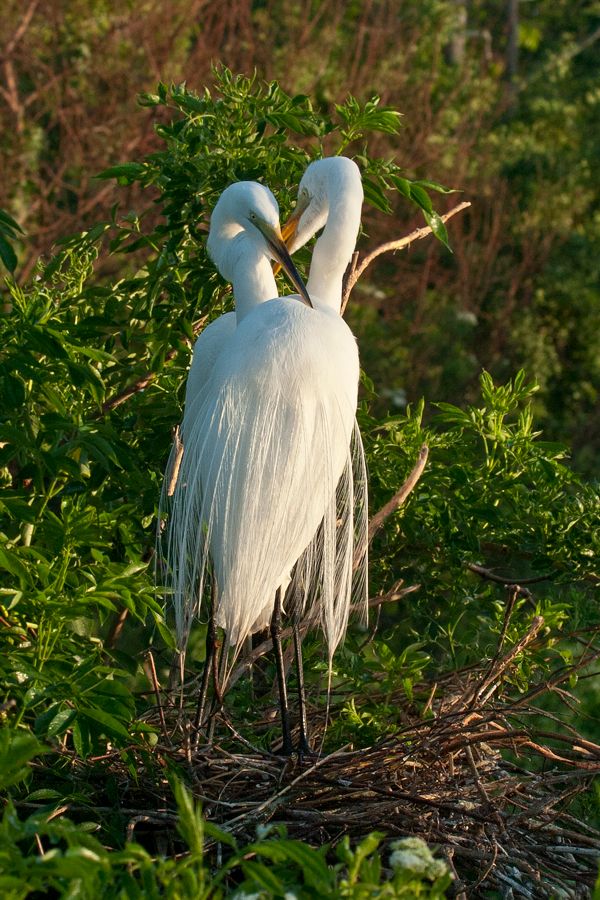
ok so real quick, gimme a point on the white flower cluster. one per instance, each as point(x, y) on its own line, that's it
point(413, 854)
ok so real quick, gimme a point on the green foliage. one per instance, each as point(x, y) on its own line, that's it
point(493, 494)
point(41, 853)
point(489, 491)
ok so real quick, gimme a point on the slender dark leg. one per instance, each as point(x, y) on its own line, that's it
point(248, 652)
point(210, 649)
point(287, 747)
point(304, 748)
point(219, 663)
point(208, 664)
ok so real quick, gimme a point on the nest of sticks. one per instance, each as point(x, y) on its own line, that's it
point(484, 776)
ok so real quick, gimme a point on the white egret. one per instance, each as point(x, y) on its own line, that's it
point(243, 259)
point(266, 483)
point(244, 236)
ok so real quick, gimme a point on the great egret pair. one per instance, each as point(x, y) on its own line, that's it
point(271, 488)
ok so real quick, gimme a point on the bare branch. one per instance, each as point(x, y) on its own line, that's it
point(356, 269)
point(22, 28)
point(134, 389)
point(501, 579)
point(503, 663)
point(400, 496)
point(145, 380)
point(394, 595)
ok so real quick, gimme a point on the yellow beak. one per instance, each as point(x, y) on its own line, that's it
point(288, 232)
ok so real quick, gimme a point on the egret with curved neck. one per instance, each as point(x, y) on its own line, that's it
point(330, 196)
point(244, 237)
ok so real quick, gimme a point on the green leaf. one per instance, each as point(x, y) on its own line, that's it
point(375, 196)
point(60, 722)
point(261, 876)
point(17, 749)
point(7, 255)
point(438, 228)
point(190, 824)
point(11, 563)
point(311, 861)
point(9, 223)
point(125, 173)
point(109, 722)
point(421, 198)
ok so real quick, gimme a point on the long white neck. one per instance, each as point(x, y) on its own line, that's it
point(241, 260)
point(253, 281)
point(333, 250)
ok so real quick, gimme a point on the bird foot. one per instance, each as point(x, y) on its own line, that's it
point(305, 751)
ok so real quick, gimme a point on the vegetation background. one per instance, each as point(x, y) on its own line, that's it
point(500, 102)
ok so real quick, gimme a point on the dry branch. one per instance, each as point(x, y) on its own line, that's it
point(401, 494)
point(356, 269)
point(501, 579)
point(143, 382)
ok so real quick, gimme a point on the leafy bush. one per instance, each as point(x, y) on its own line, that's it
point(92, 371)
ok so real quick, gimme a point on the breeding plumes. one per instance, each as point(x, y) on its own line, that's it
point(272, 468)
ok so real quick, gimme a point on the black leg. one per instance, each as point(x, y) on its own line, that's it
point(248, 652)
point(287, 747)
point(208, 663)
point(304, 748)
point(219, 662)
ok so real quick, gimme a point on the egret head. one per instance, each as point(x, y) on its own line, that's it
point(324, 181)
point(247, 211)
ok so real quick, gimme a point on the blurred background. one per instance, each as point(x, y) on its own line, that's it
point(500, 100)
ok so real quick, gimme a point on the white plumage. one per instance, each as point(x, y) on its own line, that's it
point(272, 480)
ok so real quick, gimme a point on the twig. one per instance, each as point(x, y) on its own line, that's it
point(143, 382)
point(506, 660)
point(486, 872)
point(392, 596)
point(178, 446)
point(272, 801)
point(138, 386)
point(356, 269)
point(116, 629)
point(400, 496)
point(156, 686)
point(512, 599)
point(22, 28)
point(501, 579)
